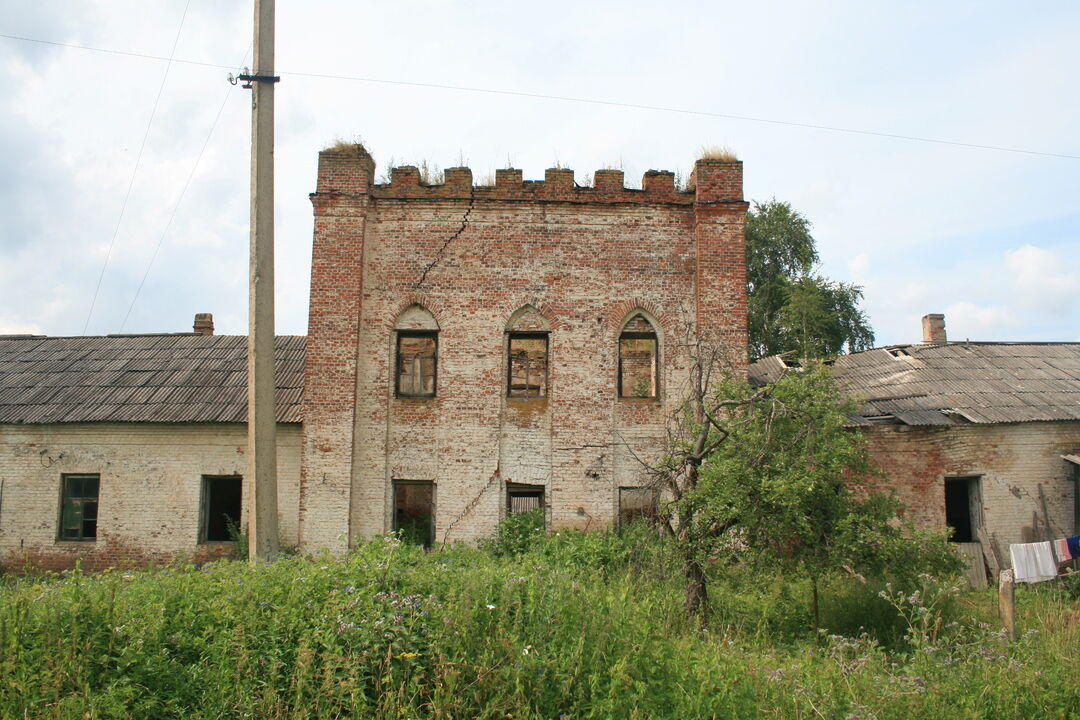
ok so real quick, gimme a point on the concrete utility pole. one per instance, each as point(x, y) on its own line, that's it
point(262, 425)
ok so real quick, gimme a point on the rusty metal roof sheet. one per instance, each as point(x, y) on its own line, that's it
point(139, 378)
point(955, 382)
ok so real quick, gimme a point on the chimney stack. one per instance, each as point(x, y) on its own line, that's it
point(204, 324)
point(933, 329)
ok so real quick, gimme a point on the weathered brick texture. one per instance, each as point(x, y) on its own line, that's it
point(1012, 459)
point(150, 489)
point(585, 258)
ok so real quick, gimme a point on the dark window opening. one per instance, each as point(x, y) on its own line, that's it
point(527, 374)
point(962, 508)
point(417, 363)
point(638, 360)
point(521, 498)
point(414, 511)
point(222, 501)
point(79, 507)
point(638, 505)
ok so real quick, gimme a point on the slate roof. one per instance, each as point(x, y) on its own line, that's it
point(955, 382)
point(181, 377)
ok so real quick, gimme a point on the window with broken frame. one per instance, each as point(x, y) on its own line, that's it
point(639, 359)
point(78, 507)
point(416, 363)
point(527, 366)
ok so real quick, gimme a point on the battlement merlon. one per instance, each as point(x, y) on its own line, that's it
point(350, 172)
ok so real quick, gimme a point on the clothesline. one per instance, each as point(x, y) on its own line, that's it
point(1039, 561)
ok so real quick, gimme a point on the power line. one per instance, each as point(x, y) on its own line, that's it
point(590, 101)
point(135, 170)
point(180, 198)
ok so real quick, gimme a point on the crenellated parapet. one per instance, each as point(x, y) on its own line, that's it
point(351, 173)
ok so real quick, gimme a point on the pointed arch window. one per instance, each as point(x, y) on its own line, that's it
point(527, 335)
point(639, 359)
point(416, 356)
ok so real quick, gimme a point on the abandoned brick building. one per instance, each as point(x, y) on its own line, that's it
point(475, 351)
point(982, 437)
point(472, 351)
point(131, 448)
point(478, 349)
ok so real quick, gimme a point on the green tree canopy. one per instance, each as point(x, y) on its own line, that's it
point(791, 308)
point(763, 475)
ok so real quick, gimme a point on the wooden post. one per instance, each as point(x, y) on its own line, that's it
point(262, 425)
point(989, 554)
point(1007, 602)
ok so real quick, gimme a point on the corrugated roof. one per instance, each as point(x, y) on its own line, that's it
point(139, 378)
point(955, 382)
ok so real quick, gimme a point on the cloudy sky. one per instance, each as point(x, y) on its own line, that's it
point(989, 237)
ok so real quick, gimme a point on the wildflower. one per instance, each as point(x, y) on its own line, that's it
point(409, 655)
point(350, 588)
point(490, 607)
point(526, 650)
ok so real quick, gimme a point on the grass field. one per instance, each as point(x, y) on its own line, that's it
point(576, 627)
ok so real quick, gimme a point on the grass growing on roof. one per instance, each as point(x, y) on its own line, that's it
point(718, 152)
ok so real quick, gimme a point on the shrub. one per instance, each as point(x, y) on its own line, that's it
point(517, 533)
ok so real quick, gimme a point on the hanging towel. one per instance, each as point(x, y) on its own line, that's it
point(1074, 546)
point(1061, 550)
point(1033, 562)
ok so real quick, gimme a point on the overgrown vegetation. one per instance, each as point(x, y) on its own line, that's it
point(343, 146)
point(571, 626)
point(718, 152)
point(762, 476)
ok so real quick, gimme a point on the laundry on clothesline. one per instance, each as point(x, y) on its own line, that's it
point(1066, 549)
point(1033, 562)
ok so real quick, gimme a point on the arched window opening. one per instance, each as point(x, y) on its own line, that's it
point(639, 359)
point(527, 354)
point(416, 353)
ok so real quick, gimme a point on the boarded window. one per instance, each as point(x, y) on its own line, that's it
point(417, 362)
point(414, 511)
point(78, 507)
point(527, 373)
point(521, 498)
point(963, 508)
point(222, 498)
point(638, 504)
point(638, 360)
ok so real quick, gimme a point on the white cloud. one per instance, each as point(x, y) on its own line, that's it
point(13, 327)
point(978, 322)
point(1042, 280)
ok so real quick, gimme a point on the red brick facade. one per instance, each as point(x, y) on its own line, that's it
point(576, 262)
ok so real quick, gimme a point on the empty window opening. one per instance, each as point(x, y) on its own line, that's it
point(521, 498)
point(638, 359)
point(414, 511)
point(222, 499)
point(638, 504)
point(962, 508)
point(417, 363)
point(528, 361)
point(79, 507)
